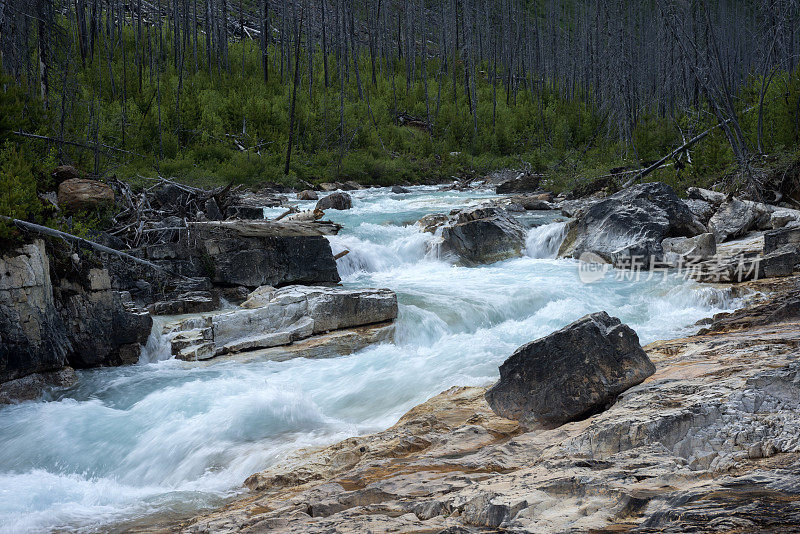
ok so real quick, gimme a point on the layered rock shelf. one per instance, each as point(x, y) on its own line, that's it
point(275, 317)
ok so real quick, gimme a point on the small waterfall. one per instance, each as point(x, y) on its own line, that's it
point(544, 241)
point(369, 256)
point(158, 347)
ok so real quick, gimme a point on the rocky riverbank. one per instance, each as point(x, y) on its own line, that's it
point(709, 442)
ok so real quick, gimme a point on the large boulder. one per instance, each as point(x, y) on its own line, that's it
point(701, 209)
point(65, 172)
point(524, 183)
point(79, 194)
point(335, 201)
point(737, 217)
point(399, 190)
point(307, 194)
point(714, 198)
point(272, 318)
point(533, 202)
point(478, 235)
point(630, 225)
point(571, 374)
point(783, 218)
point(782, 238)
point(256, 253)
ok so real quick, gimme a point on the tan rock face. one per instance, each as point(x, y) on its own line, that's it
point(709, 442)
point(80, 194)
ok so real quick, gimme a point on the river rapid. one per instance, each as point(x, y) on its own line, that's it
point(165, 438)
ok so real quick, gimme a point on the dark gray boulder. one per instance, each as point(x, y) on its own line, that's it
point(630, 225)
point(777, 239)
point(571, 374)
point(257, 253)
point(307, 194)
point(526, 183)
point(701, 209)
point(335, 201)
point(399, 190)
point(478, 235)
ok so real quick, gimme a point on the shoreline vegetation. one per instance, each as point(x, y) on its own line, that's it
point(391, 93)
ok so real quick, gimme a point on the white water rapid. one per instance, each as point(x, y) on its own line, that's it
point(166, 437)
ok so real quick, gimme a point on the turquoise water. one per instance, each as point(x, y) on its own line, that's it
point(167, 436)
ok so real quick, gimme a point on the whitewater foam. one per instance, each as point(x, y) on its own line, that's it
point(167, 435)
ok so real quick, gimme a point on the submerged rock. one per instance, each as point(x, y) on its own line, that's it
point(335, 201)
point(631, 225)
point(572, 373)
point(272, 318)
point(477, 235)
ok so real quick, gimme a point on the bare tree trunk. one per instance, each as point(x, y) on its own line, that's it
point(294, 92)
point(324, 44)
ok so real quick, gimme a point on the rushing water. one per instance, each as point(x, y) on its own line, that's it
point(168, 437)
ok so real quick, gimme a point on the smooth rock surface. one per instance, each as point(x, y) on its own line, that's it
point(284, 315)
point(335, 201)
point(630, 224)
point(570, 373)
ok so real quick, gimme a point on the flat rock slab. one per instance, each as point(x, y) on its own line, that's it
point(572, 373)
point(285, 315)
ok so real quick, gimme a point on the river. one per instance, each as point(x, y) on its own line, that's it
point(166, 437)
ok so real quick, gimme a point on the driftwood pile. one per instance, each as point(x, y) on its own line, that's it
point(142, 218)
